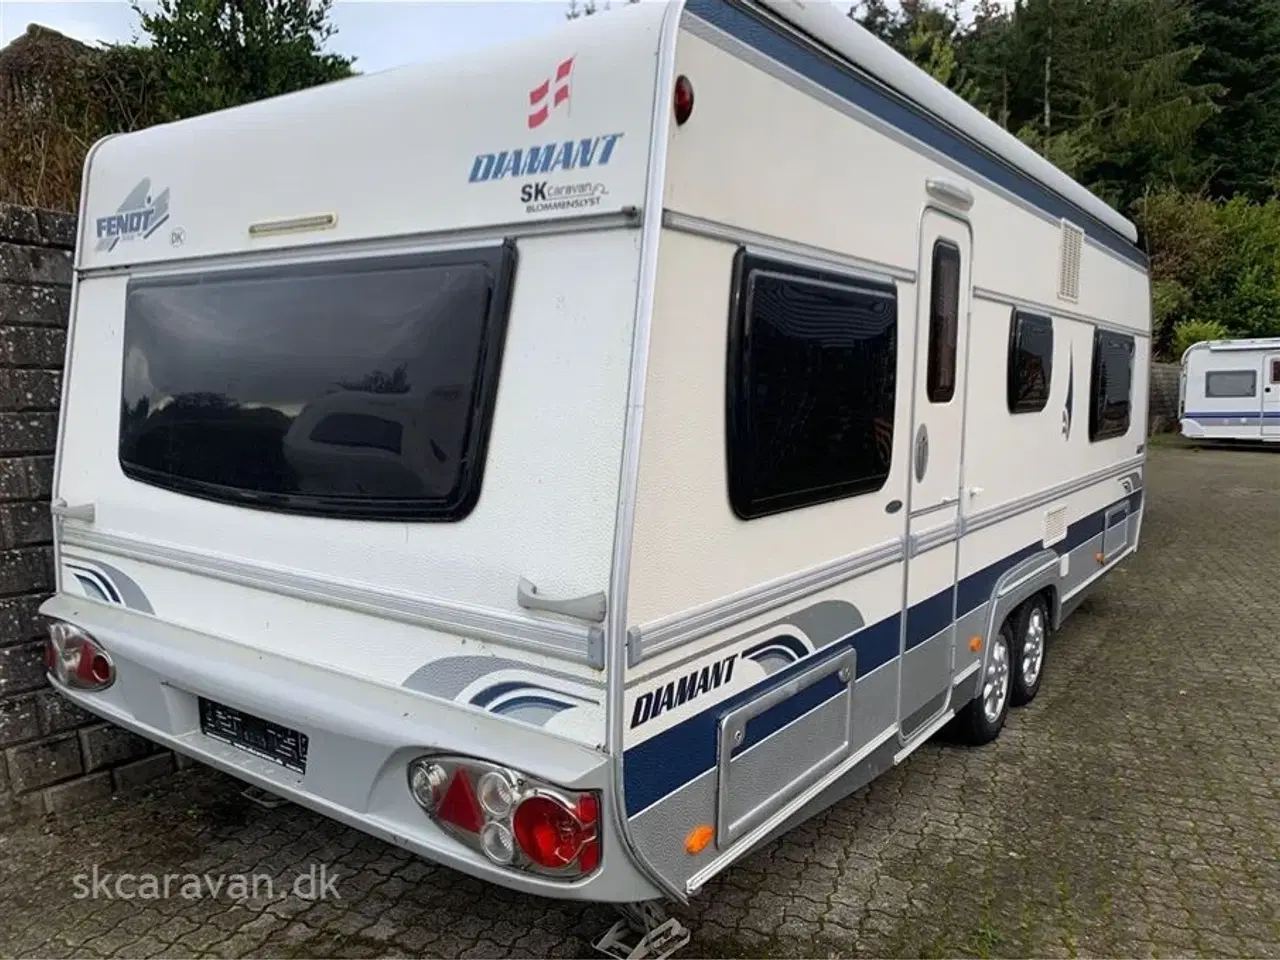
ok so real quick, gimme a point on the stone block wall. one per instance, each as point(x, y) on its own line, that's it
point(53, 756)
point(1162, 410)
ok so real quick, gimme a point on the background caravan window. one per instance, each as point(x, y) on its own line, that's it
point(1231, 383)
point(944, 321)
point(359, 388)
point(812, 364)
point(1030, 366)
point(1111, 382)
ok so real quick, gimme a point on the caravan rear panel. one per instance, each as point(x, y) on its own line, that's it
point(343, 422)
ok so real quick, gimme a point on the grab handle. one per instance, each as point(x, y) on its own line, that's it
point(81, 511)
point(591, 608)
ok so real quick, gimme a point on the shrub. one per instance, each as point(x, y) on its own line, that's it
point(1190, 332)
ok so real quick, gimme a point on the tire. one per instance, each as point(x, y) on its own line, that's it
point(1031, 636)
point(975, 725)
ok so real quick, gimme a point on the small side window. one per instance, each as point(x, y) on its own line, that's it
point(1030, 367)
point(1275, 369)
point(944, 321)
point(1221, 384)
point(1111, 384)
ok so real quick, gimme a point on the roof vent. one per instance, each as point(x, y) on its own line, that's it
point(1069, 266)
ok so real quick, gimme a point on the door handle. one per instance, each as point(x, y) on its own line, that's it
point(975, 491)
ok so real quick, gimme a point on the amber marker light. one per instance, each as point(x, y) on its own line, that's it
point(698, 839)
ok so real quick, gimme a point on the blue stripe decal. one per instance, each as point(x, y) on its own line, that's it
point(515, 703)
point(490, 694)
point(667, 761)
point(785, 641)
point(1246, 415)
point(99, 581)
point(929, 617)
point(861, 91)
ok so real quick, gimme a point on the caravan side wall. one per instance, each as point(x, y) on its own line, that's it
point(737, 711)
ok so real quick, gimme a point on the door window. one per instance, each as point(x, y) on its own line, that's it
point(944, 321)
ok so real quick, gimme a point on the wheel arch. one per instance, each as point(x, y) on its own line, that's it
point(1037, 575)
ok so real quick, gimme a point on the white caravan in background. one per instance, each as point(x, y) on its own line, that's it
point(1230, 390)
point(581, 480)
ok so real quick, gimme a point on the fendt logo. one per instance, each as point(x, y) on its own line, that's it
point(539, 108)
point(140, 215)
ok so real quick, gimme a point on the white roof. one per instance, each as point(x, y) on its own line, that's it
point(829, 24)
point(1255, 343)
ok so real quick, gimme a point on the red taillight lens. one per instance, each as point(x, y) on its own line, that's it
point(93, 668)
point(76, 659)
point(460, 805)
point(513, 819)
point(548, 833)
point(682, 99)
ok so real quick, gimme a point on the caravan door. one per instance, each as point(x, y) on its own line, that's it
point(1271, 396)
point(933, 525)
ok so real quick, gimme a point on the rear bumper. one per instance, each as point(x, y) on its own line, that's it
point(361, 737)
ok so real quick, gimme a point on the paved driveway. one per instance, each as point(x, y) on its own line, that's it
point(1133, 809)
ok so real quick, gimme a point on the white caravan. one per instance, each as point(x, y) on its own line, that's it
point(577, 464)
point(1230, 390)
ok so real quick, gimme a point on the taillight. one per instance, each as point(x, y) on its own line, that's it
point(510, 817)
point(551, 834)
point(75, 659)
point(682, 99)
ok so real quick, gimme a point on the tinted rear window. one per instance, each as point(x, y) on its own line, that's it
point(359, 388)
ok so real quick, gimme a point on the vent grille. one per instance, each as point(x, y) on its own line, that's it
point(1055, 525)
point(1069, 266)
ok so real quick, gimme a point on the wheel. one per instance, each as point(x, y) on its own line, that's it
point(983, 717)
point(1030, 631)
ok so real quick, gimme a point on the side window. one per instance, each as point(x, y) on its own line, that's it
point(1030, 366)
point(1110, 385)
point(812, 366)
point(1275, 370)
point(944, 308)
point(1221, 384)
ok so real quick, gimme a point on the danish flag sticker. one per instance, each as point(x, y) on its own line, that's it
point(543, 99)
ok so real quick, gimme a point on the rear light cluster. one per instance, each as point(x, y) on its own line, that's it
point(511, 818)
point(75, 659)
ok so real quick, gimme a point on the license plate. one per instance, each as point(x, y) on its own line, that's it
point(262, 738)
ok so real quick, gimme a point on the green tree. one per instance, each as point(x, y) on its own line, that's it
point(1212, 263)
point(926, 35)
point(881, 19)
point(57, 96)
point(1241, 55)
point(1101, 87)
point(215, 54)
point(930, 47)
